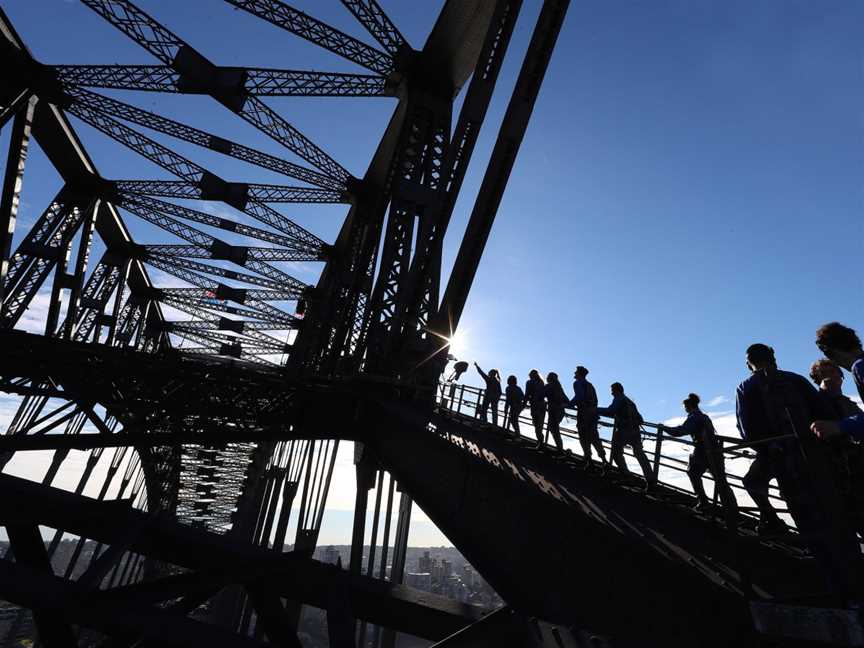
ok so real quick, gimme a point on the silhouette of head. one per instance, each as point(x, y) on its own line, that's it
point(839, 343)
point(493, 373)
point(826, 374)
point(580, 372)
point(552, 377)
point(691, 402)
point(617, 388)
point(760, 356)
point(512, 380)
point(534, 374)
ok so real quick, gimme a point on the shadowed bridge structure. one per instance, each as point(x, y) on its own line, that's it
point(222, 428)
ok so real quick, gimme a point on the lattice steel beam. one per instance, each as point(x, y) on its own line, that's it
point(121, 198)
point(199, 302)
point(19, 142)
point(199, 180)
point(501, 163)
point(214, 247)
point(198, 71)
point(376, 22)
point(256, 81)
point(418, 300)
point(258, 192)
point(305, 26)
point(204, 139)
point(154, 255)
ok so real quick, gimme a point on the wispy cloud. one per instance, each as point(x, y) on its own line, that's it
point(717, 400)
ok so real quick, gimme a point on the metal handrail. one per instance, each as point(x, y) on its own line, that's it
point(466, 400)
point(834, 537)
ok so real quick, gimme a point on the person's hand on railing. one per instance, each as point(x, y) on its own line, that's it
point(826, 430)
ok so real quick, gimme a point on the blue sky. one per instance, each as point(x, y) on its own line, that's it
point(690, 182)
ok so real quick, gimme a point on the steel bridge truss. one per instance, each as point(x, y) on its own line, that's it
point(208, 387)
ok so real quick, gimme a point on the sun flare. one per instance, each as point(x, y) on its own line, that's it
point(458, 344)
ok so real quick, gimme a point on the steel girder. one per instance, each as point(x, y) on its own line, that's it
point(218, 440)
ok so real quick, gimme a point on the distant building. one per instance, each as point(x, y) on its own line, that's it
point(446, 568)
point(421, 581)
point(468, 576)
point(424, 563)
point(331, 556)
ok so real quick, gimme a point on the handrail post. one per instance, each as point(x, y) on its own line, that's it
point(658, 443)
point(461, 396)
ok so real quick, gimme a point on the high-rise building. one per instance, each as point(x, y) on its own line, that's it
point(468, 576)
point(446, 568)
point(331, 555)
point(424, 563)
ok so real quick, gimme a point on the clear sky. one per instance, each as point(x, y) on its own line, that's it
point(690, 182)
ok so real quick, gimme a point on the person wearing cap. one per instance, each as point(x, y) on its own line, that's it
point(773, 407)
point(627, 432)
point(585, 401)
point(705, 456)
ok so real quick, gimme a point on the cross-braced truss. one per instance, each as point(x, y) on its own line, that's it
point(223, 382)
point(188, 392)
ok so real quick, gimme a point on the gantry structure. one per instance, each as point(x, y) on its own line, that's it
point(211, 409)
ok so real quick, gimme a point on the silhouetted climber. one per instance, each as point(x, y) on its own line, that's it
point(829, 379)
point(846, 458)
point(627, 431)
point(706, 455)
point(535, 393)
point(492, 394)
point(585, 401)
point(777, 405)
point(556, 400)
point(842, 345)
point(514, 399)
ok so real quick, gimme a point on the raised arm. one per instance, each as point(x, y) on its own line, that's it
point(481, 372)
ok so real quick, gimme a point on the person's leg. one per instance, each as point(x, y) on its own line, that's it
point(484, 405)
point(493, 403)
point(597, 441)
point(717, 467)
point(756, 484)
point(538, 414)
point(514, 421)
point(617, 452)
point(584, 441)
point(641, 457)
point(555, 418)
point(696, 467)
point(584, 433)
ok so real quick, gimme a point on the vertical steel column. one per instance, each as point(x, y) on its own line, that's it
point(365, 474)
point(115, 311)
point(13, 179)
point(75, 283)
point(504, 153)
point(400, 549)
